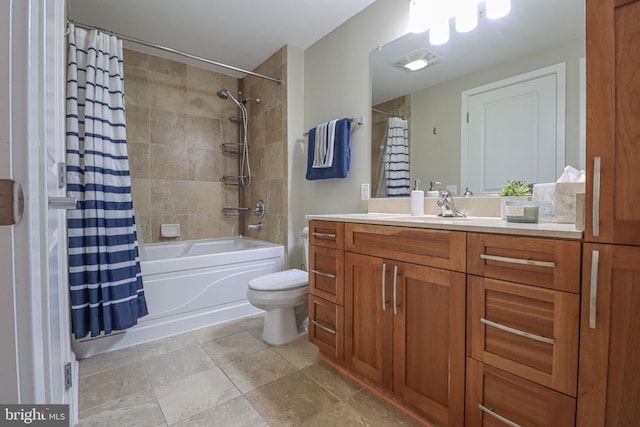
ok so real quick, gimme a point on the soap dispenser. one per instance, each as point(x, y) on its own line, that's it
point(417, 200)
point(433, 189)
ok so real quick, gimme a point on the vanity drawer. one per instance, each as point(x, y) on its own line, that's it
point(326, 278)
point(495, 397)
point(434, 248)
point(528, 331)
point(549, 263)
point(326, 327)
point(328, 234)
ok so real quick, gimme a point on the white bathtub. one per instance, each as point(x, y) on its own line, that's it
point(192, 284)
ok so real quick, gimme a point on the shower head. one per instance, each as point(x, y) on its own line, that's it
point(225, 94)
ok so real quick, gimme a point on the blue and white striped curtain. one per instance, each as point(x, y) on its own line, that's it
point(104, 266)
point(396, 159)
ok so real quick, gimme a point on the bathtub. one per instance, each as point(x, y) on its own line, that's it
point(192, 284)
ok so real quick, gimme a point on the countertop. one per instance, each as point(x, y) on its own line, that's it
point(478, 224)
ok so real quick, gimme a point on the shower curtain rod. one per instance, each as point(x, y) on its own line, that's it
point(384, 112)
point(174, 51)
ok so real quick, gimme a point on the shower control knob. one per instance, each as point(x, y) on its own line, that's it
point(260, 209)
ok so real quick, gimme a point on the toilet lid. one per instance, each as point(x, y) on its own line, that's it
point(280, 281)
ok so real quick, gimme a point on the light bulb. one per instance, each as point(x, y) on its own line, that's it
point(466, 15)
point(498, 8)
point(439, 31)
point(418, 16)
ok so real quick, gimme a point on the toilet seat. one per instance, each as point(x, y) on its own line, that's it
point(280, 281)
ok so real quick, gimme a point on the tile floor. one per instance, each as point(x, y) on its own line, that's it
point(224, 375)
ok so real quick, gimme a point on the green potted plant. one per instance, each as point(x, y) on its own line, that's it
point(514, 190)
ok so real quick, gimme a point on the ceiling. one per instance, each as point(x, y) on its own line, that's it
point(241, 33)
point(531, 26)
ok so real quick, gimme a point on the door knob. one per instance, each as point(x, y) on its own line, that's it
point(11, 202)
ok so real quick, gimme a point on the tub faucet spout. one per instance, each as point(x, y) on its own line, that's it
point(257, 226)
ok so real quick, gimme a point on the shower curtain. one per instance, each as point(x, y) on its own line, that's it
point(396, 159)
point(104, 267)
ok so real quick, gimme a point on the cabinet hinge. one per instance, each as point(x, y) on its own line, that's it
point(67, 376)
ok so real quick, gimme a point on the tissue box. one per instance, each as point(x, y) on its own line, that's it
point(557, 201)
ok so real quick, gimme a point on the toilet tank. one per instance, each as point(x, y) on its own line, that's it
point(305, 241)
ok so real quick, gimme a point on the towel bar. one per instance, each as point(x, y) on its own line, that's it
point(355, 120)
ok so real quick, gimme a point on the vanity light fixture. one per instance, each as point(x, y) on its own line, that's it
point(434, 15)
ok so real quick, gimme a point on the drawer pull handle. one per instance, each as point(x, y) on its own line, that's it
point(593, 297)
point(497, 416)
point(519, 261)
point(518, 331)
point(330, 235)
point(384, 286)
point(324, 328)
point(597, 161)
point(395, 290)
point(320, 273)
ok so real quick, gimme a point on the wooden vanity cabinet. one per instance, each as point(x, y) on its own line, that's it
point(326, 287)
point(405, 322)
point(613, 122)
point(523, 310)
point(609, 385)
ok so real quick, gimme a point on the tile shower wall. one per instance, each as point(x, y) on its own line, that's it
point(175, 127)
point(268, 148)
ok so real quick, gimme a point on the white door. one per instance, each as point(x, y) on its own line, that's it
point(514, 130)
point(9, 379)
point(35, 333)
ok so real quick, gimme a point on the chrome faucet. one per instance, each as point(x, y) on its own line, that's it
point(257, 226)
point(448, 206)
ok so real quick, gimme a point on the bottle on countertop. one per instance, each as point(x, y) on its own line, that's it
point(433, 190)
point(417, 200)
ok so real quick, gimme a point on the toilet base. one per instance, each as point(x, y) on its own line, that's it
point(280, 326)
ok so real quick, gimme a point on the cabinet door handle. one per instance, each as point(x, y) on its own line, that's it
point(597, 163)
point(330, 235)
point(517, 331)
point(384, 286)
point(519, 261)
point(324, 328)
point(495, 415)
point(593, 297)
point(395, 290)
point(320, 273)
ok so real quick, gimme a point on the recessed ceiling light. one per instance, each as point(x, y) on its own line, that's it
point(417, 60)
point(416, 65)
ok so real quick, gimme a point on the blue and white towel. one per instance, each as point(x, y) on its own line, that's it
point(334, 157)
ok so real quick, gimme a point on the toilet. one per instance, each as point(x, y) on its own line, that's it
point(284, 298)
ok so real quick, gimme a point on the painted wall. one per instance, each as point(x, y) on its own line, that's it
point(337, 83)
point(437, 157)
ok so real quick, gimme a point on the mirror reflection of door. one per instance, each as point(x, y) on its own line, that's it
point(515, 129)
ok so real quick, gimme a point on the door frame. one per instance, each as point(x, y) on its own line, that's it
point(559, 70)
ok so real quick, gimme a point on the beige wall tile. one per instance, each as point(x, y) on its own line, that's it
point(203, 132)
point(167, 66)
point(169, 162)
point(136, 86)
point(168, 128)
point(204, 164)
point(135, 59)
point(137, 124)
point(141, 194)
point(139, 160)
point(167, 92)
point(169, 197)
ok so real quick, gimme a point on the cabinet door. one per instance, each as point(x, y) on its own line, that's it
point(429, 340)
point(608, 385)
point(368, 317)
point(496, 398)
point(326, 277)
point(526, 330)
point(326, 327)
point(613, 128)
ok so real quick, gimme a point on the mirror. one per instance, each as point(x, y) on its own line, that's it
point(536, 34)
